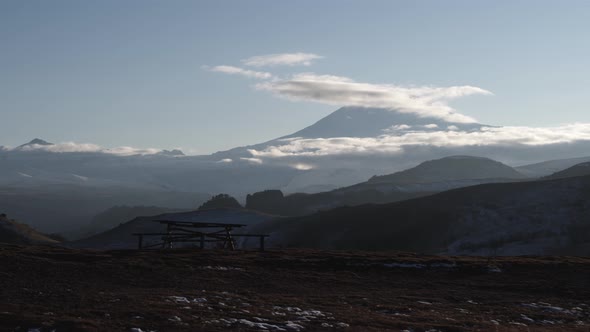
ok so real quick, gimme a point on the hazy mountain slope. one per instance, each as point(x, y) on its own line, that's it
point(425, 179)
point(450, 169)
point(120, 237)
point(549, 167)
point(510, 218)
point(59, 208)
point(582, 169)
point(115, 216)
point(11, 231)
point(301, 204)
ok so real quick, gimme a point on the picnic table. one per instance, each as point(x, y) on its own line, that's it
point(200, 232)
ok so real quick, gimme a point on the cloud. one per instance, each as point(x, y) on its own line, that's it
point(302, 166)
point(425, 101)
point(397, 144)
point(225, 160)
point(69, 147)
point(256, 161)
point(282, 59)
point(397, 128)
point(240, 71)
point(128, 151)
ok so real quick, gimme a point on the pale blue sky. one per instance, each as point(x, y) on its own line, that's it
point(130, 72)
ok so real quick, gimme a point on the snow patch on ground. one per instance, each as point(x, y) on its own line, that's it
point(221, 268)
point(268, 318)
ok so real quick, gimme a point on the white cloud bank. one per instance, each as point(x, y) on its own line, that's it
point(88, 148)
point(281, 59)
point(395, 144)
point(423, 101)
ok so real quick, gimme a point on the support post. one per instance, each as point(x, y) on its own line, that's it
point(229, 239)
point(262, 243)
point(140, 241)
point(168, 238)
point(202, 241)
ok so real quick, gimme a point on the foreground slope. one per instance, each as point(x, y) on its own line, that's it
point(12, 231)
point(507, 218)
point(51, 289)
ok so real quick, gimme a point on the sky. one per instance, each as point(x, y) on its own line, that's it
point(211, 75)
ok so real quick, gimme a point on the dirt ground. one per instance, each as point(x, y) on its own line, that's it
point(57, 289)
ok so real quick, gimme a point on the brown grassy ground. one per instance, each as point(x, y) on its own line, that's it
point(186, 290)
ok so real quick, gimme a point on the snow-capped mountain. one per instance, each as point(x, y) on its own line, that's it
point(373, 122)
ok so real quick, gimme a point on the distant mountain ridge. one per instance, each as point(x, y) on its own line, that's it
point(549, 167)
point(451, 169)
point(424, 179)
point(581, 169)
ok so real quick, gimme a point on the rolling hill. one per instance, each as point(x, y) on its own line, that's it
point(536, 217)
point(427, 178)
point(453, 168)
point(14, 232)
point(582, 169)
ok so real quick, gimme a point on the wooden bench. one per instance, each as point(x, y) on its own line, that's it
point(185, 231)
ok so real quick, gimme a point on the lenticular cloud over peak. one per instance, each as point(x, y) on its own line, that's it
point(423, 101)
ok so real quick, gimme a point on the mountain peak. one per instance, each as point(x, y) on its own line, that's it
point(451, 168)
point(373, 122)
point(36, 141)
point(171, 153)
